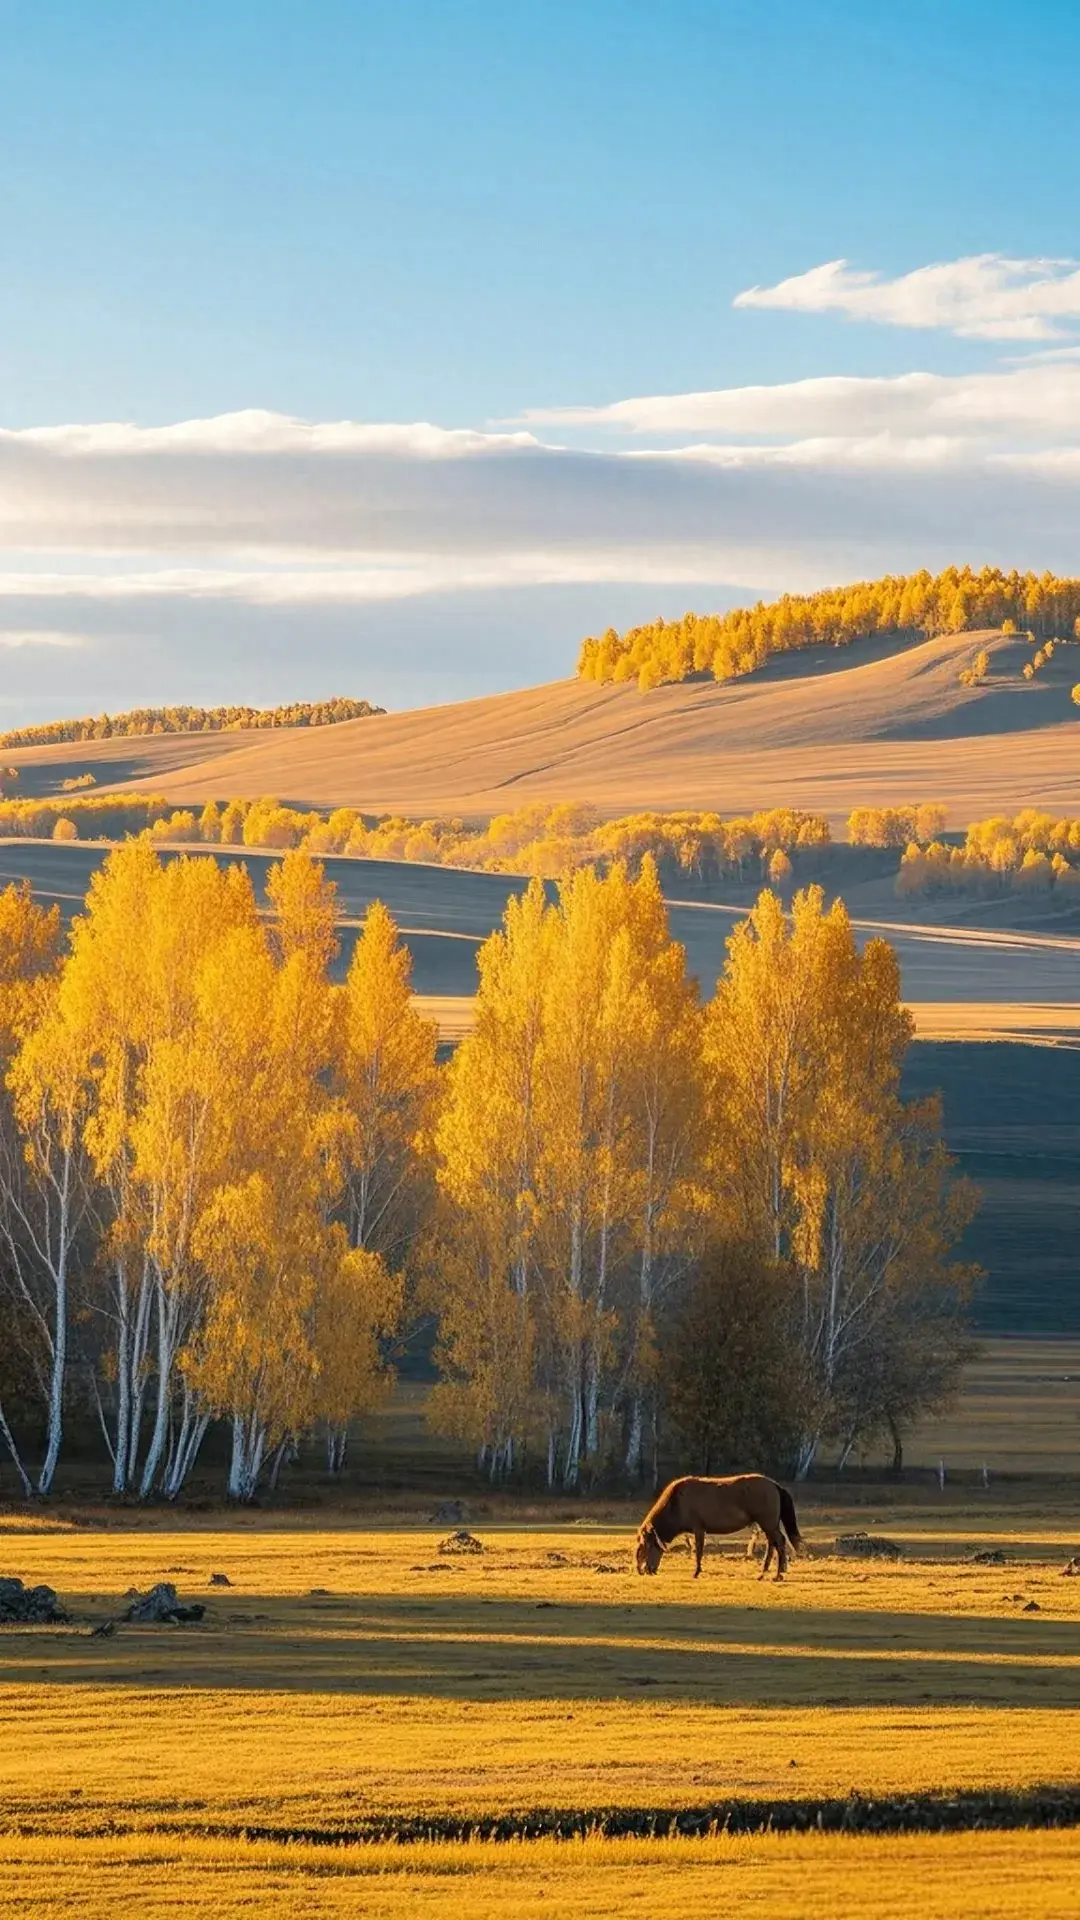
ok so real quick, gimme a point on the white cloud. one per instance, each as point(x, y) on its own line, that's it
point(347, 529)
point(1040, 400)
point(256, 431)
point(985, 296)
point(258, 525)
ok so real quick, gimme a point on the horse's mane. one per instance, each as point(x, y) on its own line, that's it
point(660, 1519)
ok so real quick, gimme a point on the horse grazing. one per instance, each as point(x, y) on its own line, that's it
point(701, 1506)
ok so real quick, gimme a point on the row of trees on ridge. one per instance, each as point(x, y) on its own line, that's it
point(726, 645)
point(185, 719)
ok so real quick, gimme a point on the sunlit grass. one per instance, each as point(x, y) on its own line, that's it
point(525, 1677)
point(798, 1877)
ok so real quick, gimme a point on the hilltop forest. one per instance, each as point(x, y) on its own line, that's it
point(144, 720)
point(724, 646)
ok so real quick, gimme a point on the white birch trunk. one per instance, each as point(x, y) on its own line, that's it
point(167, 1345)
point(8, 1438)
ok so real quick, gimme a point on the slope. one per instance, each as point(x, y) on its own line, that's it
point(876, 724)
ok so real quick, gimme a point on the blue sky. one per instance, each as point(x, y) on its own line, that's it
point(485, 217)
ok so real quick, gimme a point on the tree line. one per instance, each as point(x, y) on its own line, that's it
point(185, 719)
point(541, 839)
point(228, 1185)
point(726, 645)
point(1032, 853)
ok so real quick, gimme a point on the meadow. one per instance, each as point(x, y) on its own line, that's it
point(355, 1696)
point(359, 1713)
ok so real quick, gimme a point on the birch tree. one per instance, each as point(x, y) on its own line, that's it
point(488, 1143)
point(816, 1158)
point(387, 1078)
point(41, 1195)
point(130, 991)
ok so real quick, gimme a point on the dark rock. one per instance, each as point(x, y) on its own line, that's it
point(220, 1580)
point(461, 1542)
point(989, 1557)
point(1033, 1607)
point(162, 1607)
point(29, 1606)
point(320, 1593)
point(867, 1546)
point(105, 1631)
point(602, 1566)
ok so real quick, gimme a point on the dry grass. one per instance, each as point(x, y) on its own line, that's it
point(516, 1680)
point(1019, 1412)
point(985, 1020)
point(415, 1685)
point(1038, 1025)
point(871, 726)
point(814, 1877)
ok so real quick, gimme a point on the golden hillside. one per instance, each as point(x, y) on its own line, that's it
point(876, 724)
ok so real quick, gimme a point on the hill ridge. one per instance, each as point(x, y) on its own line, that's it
point(825, 734)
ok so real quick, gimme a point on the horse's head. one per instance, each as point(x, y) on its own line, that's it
point(649, 1550)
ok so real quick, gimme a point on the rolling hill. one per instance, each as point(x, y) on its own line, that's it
point(875, 724)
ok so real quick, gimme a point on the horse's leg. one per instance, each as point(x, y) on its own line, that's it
point(776, 1539)
point(767, 1562)
point(699, 1548)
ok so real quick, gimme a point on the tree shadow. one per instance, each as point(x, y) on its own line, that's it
point(469, 1648)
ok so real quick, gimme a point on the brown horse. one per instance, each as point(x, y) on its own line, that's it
point(700, 1506)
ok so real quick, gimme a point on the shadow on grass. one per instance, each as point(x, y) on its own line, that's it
point(466, 1647)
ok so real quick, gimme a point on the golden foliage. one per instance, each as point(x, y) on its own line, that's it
point(727, 645)
point(1032, 853)
point(151, 720)
point(823, 1167)
point(568, 1152)
point(190, 1053)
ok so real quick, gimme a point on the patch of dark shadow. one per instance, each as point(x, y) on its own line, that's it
point(967, 1811)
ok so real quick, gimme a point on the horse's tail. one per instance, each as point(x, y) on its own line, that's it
point(787, 1515)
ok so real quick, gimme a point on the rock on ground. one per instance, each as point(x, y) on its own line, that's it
point(28, 1606)
point(163, 1606)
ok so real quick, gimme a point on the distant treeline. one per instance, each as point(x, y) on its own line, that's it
point(545, 841)
point(542, 840)
point(725, 645)
point(142, 720)
point(1032, 853)
point(106, 816)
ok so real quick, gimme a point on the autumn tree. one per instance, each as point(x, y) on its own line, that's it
point(293, 1316)
point(488, 1143)
point(824, 1167)
point(388, 1080)
point(38, 1218)
point(129, 995)
point(568, 1158)
point(46, 1202)
point(733, 1390)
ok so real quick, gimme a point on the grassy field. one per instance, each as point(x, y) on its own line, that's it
point(997, 1876)
point(353, 1679)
